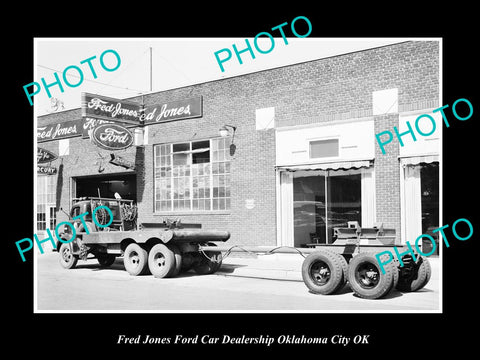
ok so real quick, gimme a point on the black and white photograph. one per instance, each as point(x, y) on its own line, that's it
point(272, 190)
point(258, 186)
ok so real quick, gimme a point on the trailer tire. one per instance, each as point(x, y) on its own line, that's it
point(106, 260)
point(135, 260)
point(367, 280)
point(161, 261)
point(323, 272)
point(67, 259)
point(415, 278)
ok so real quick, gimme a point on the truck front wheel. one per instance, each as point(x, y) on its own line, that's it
point(135, 260)
point(67, 259)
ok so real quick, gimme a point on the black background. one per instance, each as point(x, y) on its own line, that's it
point(92, 335)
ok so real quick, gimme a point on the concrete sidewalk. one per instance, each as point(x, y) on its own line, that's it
point(274, 266)
point(280, 266)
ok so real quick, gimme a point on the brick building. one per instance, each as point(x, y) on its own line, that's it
point(302, 158)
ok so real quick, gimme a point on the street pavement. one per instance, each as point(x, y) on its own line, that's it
point(268, 283)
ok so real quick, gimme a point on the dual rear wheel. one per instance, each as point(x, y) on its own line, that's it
point(166, 260)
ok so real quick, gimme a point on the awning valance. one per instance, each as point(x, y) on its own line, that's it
point(415, 160)
point(340, 165)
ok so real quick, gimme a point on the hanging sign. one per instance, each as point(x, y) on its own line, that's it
point(106, 108)
point(120, 161)
point(45, 156)
point(112, 137)
point(46, 170)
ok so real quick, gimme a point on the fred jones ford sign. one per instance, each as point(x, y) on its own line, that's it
point(103, 110)
point(101, 107)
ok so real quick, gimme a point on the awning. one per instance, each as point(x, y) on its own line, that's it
point(415, 160)
point(340, 165)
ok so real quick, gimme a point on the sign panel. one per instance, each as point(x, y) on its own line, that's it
point(45, 156)
point(120, 161)
point(90, 123)
point(173, 110)
point(46, 170)
point(106, 108)
point(112, 137)
point(58, 131)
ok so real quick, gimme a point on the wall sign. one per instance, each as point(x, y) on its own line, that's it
point(112, 137)
point(58, 131)
point(45, 156)
point(173, 110)
point(46, 170)
point(120, 161)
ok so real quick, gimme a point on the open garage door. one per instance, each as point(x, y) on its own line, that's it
point(106, 186)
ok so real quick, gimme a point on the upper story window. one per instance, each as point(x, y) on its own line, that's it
point(192, 176)
point(324, 148)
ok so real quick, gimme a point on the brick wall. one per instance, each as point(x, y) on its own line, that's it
point(323, 90)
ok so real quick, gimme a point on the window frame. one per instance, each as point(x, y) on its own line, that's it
point(157, 210)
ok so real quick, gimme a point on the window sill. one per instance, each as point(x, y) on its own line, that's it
point(186, 213)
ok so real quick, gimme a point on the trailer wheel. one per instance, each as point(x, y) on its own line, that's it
point(322, 272)
point(414, 275)
point(67, 259)
point(106, 260)
point(367, 280)
point(135, 260)
point(161, 261)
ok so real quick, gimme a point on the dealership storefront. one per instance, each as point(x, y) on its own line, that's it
point(277, 157)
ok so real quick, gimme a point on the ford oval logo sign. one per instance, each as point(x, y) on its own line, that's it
point(112, 137)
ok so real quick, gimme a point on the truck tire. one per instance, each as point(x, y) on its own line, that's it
point(135, 260)
point(178, 259)
point(161, 261)
point(106, 260)
point(366, 278)
point(323, 272)
point(67, 259)
point(414, 275)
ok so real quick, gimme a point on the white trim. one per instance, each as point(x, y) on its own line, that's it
point(325, 123)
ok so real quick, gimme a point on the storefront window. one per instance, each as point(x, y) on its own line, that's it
point(192, 176)
point(324, 201)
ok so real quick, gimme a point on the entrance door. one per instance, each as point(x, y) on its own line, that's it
point(312, 203)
